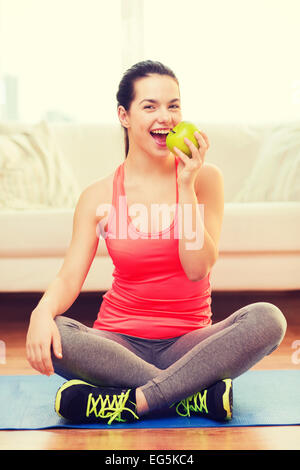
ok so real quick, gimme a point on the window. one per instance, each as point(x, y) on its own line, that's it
point(235, 59)
point(60, 59)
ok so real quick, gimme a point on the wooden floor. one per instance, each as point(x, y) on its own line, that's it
point(15, 312)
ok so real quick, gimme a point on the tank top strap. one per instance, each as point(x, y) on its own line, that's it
point(117, 187)
point(119, 202)
point(177, 194)
point(111, 223)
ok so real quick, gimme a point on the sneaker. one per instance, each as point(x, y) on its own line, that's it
point(214, 402)
point(81, 402)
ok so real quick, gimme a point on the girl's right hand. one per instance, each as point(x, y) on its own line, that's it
point(42, 334)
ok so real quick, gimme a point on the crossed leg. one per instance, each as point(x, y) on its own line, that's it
point(192, 363)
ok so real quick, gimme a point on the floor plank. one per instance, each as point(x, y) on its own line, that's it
point(252, 438)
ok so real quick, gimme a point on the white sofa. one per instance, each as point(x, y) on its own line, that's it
point(260, 241)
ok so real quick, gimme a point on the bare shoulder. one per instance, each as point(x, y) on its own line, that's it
point(209, 180)
point(210, 171)
point(99, 190)
point(97, 193)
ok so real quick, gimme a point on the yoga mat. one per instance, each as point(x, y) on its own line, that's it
point(260, 398)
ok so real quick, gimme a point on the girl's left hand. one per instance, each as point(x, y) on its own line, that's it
point(188, 167)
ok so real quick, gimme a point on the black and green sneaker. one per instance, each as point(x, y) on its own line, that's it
point(80, 402)
point(214, 402)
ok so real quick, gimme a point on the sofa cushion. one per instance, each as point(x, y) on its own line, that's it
point(233, 148)
point(261, 227)
point(93, 150)
point(38, 233)
point(276, 173)
point(33, 171)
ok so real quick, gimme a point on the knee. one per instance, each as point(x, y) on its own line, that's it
point(63, 322)
point(60, 322)
point(273, 322)
point(65, 326)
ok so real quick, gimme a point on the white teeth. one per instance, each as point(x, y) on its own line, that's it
point(160, 131)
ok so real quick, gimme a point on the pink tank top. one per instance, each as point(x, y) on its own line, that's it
point(151, 296)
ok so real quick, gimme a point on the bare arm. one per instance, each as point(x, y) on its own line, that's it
point(200, 186)
point(64, 289)
point(199, 253)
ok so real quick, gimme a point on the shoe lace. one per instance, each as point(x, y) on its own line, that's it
point(196, 403)
point(109, 407)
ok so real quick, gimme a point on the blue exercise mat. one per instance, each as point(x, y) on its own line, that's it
point(260, 398)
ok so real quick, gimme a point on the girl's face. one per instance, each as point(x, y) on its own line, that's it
point(153, 112)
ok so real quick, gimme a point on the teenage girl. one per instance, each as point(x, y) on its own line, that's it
point(153, 348)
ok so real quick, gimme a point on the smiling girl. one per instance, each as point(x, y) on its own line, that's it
point(153, 348)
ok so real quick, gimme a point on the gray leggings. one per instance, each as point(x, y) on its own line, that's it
point(169, 370)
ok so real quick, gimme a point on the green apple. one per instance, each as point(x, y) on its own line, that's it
point(176, 136)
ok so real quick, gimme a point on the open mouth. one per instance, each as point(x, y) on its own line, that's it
point(160, 135)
